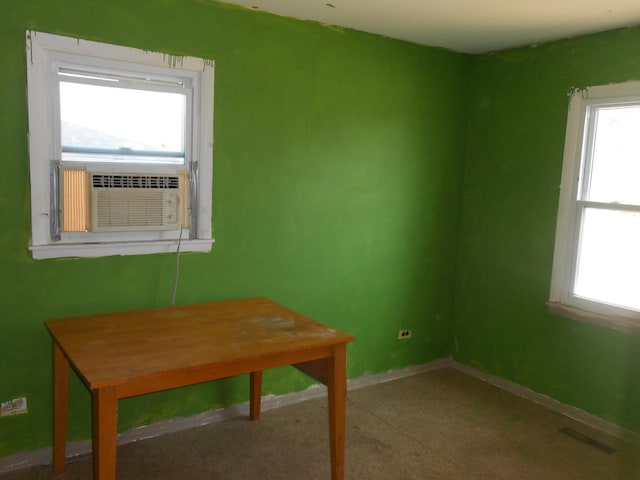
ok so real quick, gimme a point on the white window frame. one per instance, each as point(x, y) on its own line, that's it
point(43, 52)
point(561, 300)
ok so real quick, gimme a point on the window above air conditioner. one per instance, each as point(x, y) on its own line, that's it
point(120, 144)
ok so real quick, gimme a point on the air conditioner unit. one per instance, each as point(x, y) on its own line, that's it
point(121, 202)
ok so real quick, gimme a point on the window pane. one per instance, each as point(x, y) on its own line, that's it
point(98, 121)
point(608, 267)
point(615, 168)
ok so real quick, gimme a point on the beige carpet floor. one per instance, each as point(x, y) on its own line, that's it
point(440, 425)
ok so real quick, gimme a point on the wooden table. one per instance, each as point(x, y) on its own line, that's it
point(120, 355)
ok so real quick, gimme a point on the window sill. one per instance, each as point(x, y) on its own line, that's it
point(615, 322)
point(93, 250)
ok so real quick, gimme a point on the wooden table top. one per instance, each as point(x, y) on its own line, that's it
point(110, 349)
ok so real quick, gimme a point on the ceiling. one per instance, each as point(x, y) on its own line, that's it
point(469, 26)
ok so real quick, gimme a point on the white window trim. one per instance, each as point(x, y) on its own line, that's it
point(40, 48)
point(561, 301)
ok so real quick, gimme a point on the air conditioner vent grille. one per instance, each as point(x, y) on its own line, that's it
point(125, 208)
point(135, 181)
point(136, 202)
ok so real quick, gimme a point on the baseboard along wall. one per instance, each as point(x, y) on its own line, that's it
point(269, 402)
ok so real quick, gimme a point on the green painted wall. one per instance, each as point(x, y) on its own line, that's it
point(337, 171)
point(337, 190)
point(512, 175)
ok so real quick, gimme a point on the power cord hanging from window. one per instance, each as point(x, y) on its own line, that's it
point(173, 302)
point(177, 274)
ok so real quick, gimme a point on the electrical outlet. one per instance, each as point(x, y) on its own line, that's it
point(15, 406)
point(404, 334)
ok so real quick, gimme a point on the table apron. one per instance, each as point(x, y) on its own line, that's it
point(218, 370)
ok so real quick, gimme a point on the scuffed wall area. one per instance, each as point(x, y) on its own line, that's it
point(337, 166)
point(513, 167)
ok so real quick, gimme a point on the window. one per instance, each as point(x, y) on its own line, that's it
point(120, 149)
point(596, 270)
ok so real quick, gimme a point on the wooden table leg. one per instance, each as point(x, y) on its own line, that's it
point(255, 394)
point(105, 431)
point(60, 407)
point(337, 396)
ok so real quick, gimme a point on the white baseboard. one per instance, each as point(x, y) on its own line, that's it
point(270, 402)
point(572, 412)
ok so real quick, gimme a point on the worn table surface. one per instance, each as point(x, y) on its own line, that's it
point(115, 348)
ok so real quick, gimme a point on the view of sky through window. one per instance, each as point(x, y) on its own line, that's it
point(97, 116)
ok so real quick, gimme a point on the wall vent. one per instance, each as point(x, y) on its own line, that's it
point(587, 440)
